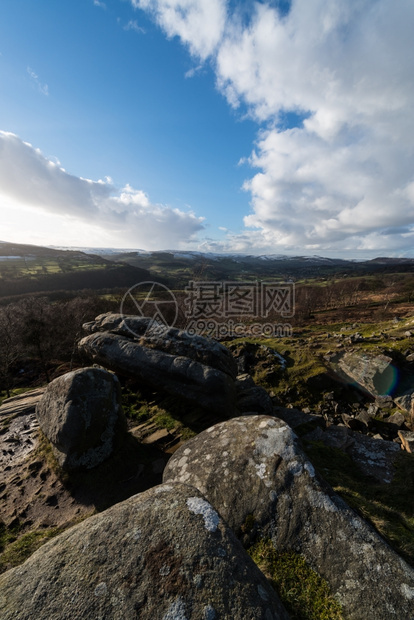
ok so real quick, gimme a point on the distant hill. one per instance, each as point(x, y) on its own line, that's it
point(29, 268)
point(183, 266)
point(32, 269)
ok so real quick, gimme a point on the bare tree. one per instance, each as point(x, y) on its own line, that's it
point(10, 349)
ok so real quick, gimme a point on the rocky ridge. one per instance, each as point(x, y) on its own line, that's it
point(247, 469)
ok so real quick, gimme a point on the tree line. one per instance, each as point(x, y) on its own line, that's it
point(34, 328)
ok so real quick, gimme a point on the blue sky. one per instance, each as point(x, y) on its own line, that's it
point(268, 127)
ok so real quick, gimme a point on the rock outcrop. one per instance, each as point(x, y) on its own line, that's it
point(253, 466)
point(251, 397)
point(18, 429)
point(161, 555)
point(194, 368)
point(376, 374)
point(375, 457)
point(80, 413)
point(167, 339)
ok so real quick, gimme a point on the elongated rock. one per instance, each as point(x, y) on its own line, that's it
point(182, 376)
point(170, 340)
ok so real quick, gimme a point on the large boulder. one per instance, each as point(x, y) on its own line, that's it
point(161, 555)
point(374, 457)
point(253, 466)
point(375, 374)
point(170, 340)
point(177, 374)
point(80, 413)
point(251, 397)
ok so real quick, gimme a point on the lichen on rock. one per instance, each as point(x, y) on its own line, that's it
point(271, 478)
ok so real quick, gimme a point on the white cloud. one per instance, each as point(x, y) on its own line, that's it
point(43, 88)
point(133, 25)
point(193, 71)
point(102, 5)
point(344, 178)
point(199, 23)
point(32, 184)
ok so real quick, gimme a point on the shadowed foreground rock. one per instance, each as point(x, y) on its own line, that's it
point(80, 413)
point(182, 369)
point(252, 465)
point(161, 555)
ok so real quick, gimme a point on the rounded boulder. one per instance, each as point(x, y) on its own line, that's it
point(80, 413)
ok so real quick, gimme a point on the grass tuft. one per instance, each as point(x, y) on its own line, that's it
point(304, 593)
point(388, 507)
point(15, 549)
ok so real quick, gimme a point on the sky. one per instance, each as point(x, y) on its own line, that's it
point(269, 127)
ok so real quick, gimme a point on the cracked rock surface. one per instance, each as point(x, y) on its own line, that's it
point(163, 554)
point(80, 413)
point(253, 465)
point(195, 368)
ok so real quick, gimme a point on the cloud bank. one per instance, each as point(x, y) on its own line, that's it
point(340, 178)
point(30, 181)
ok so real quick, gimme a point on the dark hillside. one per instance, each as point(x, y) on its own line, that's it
point(28, 269)
point(180, 267)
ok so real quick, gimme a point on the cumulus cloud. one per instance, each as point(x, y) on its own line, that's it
point(28, 180)
point(342, 179)
point(198, 23)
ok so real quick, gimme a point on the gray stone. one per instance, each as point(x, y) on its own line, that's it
point(407, 439)
point(335, 436)
point(398, 419)
point(365, 417)
point(372, 409)
point(251, 397)
point(375, 457)
point(356, 424)
point(405, 402)
point(254, 466)
point(296, 417)
point(181, 376)
point(161, 555)
point(384, 401)
point(354, 338)
point(80, 413)
point(23, 404)
point(375, 374)
point(170, 340)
